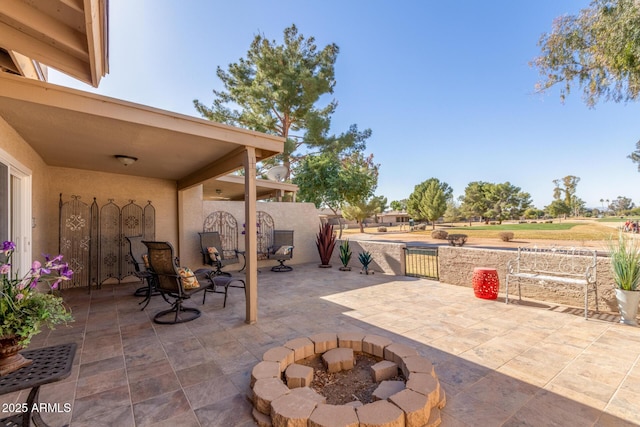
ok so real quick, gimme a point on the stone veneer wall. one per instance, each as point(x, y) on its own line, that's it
point(456, 266)
point(388, 257)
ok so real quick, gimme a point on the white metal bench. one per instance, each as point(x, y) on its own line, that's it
point(571, 266)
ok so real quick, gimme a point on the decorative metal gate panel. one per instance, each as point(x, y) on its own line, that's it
point(421, 262)
point(227, 226)
point(94, 245)
point(149, 228)
point(131, 224)
point(92, 239)
point(110, 245)
point(265, 233)
point(75, 237)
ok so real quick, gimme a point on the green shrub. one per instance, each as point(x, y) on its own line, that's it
point(506, 236)
point(382, 229)
point(439, 234)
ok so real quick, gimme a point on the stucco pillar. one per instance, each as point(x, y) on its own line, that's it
point(189, 224)
point(250, 236)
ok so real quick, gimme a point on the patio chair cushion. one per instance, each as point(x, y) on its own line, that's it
point(283, 250)
point(189, 280)
point(214, 254)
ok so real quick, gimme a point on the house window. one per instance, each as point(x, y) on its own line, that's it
point(15, 209)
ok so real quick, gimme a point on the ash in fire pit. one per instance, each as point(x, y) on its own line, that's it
point(348, 378)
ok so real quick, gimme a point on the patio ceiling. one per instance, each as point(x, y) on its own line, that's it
point(74, 129)
point(68, 35)
point(231, 187)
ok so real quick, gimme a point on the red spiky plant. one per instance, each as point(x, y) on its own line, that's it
point(325, 241)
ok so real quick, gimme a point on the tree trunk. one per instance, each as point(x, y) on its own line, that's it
point(361, 227)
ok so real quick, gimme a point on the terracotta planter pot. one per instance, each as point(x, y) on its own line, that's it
point(10, 359)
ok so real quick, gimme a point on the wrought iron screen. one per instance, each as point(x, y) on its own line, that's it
point(92, 238)
point(227, 226)
point(75, 238)
point(265, 233)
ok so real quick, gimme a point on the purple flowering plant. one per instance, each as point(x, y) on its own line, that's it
point(25, 306)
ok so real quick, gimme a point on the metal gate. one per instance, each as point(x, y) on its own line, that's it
point(92, 238)
point(421, 262)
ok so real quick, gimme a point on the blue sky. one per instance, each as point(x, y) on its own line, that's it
point(445, 86)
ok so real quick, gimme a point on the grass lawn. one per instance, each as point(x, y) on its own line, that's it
point(560, 231)
point(617, 219)
point(566, 230)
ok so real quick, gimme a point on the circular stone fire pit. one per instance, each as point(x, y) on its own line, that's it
point(282, 397)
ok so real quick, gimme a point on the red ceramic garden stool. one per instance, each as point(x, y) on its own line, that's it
point(485, 282)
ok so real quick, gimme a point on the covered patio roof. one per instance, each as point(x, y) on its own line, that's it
point(231, 187)
point(86, 131)
point(69, 35)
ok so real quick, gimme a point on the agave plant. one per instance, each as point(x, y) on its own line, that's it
point(325, 241)
point(365, 259)
point(345, 255)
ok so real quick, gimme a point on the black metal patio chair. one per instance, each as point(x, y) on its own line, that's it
point(137, 255)
point(281, 250)
point(175, 283)
point(215, 255)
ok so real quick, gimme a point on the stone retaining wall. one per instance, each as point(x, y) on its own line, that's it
point(456, 266)
point(388, 257)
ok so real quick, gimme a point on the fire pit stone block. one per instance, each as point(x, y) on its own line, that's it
point(267, 390)
point(387, 389)
point(425, 384)
point(333, 416)
point(384, 370)
point(324, 342)
point(381, 413)
point(415, 406)
point(351, 340)
point(291, 410)
point(375, 344)
point(309, 394)
point(282, 355)
point(265, 370)
point(435, 418)
point(396, 352)
point(417, 364)
point(338, 359)
point(298, 375)
point(302, 348)
point(261, 419)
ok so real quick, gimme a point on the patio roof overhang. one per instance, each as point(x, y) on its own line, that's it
point(231, 187)
point(68, 35)
point(80, 130)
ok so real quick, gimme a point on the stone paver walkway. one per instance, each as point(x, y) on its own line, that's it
point(500, 365)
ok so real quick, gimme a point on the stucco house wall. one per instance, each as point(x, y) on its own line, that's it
point(18, 149)
point(119, 188)
point(300, 217)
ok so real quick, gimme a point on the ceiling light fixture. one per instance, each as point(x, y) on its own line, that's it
point(126, 160)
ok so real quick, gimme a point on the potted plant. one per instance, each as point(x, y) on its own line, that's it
point(365, 259)
point(624, 255)
point(24, 309)
point(325, 241)
point(345, 255)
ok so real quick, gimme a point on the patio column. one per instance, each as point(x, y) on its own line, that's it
point(250, 236)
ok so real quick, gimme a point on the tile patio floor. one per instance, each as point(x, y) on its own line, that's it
point(500, 365)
